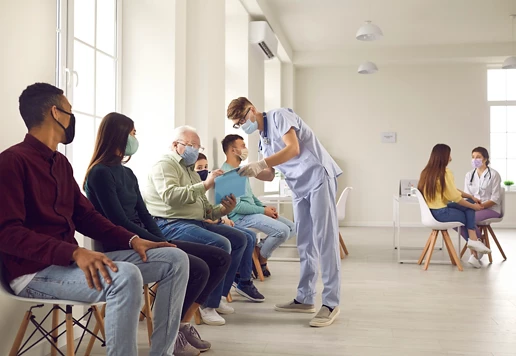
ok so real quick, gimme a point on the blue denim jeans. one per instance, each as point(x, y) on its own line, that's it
point(456, 212)
point(168, 266)
point(277, 230)
point(225, 237)
point(246, 265)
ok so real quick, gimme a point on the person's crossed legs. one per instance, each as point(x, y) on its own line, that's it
point(231, 241)
point(166, 265)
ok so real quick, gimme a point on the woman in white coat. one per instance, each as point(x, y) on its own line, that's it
point(484, 184)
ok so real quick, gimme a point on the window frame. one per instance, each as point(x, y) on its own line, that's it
point(65, 78)
point(499, 103)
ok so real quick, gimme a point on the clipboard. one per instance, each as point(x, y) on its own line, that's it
point(229, 183)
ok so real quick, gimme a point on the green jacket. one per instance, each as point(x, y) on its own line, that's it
point(175, 191)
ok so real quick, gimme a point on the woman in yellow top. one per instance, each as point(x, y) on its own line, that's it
point(446, 202)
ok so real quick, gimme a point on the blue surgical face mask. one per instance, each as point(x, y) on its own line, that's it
point(476, 162)
point(203, 174)
point(190, 155)
point(132, 146)
point(249, 127)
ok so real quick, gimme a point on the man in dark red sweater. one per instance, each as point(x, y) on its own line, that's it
point(42, 208)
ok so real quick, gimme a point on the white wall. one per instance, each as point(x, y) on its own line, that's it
point(237, 52)
point(256, 96)
point(425, 105)
point(28, 29)
point(148, 77)
point(272, 84)
point(287, 84)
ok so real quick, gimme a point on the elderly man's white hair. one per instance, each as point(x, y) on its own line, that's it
point(179, 132)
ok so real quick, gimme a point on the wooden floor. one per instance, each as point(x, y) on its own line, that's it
point(386, 308)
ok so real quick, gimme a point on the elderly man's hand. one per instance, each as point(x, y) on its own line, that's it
point(228, 204)
point(210, 180)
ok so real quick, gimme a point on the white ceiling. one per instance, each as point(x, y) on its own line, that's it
point(328, 25)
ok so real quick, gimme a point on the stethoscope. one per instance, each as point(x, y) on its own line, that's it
point(480, 185)
point(265, 140)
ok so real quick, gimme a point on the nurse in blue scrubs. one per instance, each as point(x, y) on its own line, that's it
point(289, 145)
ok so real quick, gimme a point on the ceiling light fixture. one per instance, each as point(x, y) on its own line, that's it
point(367, 68)
point(369, 32)
point(510, 62)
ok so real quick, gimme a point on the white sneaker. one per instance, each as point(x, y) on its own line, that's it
point(480, 255)
point(210, 316)
point(478, 246)
point(474, 262)
point(224, 308)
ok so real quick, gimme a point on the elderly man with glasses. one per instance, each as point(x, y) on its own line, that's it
point(176, 197)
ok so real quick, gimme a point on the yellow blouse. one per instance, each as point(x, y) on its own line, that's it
point(451, 193)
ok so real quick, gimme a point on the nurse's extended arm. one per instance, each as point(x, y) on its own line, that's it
point(267, 175)
point(290, 151)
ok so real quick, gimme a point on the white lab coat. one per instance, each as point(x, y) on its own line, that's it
point(485, 187)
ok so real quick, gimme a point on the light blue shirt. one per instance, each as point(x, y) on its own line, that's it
point(247, 204)
point(313, 164)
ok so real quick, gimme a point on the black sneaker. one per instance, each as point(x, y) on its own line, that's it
point(249, 291)
point(265, 270)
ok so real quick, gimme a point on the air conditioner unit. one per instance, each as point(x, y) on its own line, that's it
point(262, 37)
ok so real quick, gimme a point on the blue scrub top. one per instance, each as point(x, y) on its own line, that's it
point(314, 164)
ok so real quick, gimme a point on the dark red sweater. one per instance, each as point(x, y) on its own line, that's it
point(41, 207)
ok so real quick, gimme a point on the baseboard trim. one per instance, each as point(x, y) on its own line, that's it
point(409, 224)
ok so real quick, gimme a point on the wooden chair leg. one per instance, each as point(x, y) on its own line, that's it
point(148, 312)
point(95, 332)
point(100, 321)
point(464, 250)
point(229, 298)
point(142, 313)
point(21, 333)
point(197, 317)
point(488, 245)
point(341, 252)
point(99, 316)
point(343, 245)
point(257, 265)
point(154, 290)
point(497, 243)
point(55, 331)
point(69, 332)
point(448, 241)
point(425, 249)
point(430, 250)
point(449, 248)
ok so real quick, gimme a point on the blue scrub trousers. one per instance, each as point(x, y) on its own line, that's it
point(318, 243)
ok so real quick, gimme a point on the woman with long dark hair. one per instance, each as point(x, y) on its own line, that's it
point(113, 189)
point(445, 201)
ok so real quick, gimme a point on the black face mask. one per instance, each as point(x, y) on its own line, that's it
point(203, 174)
point(70, 130)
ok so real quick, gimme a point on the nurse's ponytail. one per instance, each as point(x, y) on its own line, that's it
point(484, 154)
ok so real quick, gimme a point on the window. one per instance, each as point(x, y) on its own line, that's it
point(88, 70)
point(501, 95)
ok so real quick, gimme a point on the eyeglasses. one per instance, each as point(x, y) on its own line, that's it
point(196, 146)
point(241, 121)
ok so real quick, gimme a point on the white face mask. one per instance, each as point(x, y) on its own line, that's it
point(244, 152)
